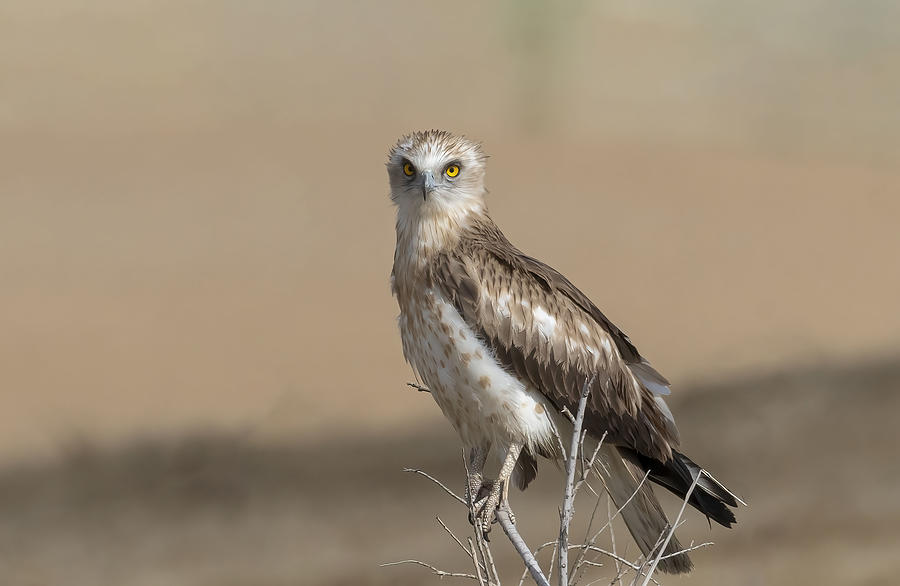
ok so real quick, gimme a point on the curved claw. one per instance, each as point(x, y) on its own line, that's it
point(480, 500)
point(487, 514)
point(509, 512)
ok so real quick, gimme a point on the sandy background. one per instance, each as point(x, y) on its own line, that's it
point(200, 375)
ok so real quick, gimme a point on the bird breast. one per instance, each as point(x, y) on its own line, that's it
point(484, 402)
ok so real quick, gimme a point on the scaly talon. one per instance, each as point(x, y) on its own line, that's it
point(505, 506)
point(487, 513)
point(480, 501)
point(485, 507)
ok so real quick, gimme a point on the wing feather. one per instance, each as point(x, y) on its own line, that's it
point(546, 331)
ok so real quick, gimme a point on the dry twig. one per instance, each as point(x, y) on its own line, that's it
point(479, 551)
point(519, 544)
point(436, 571)
point(668, 538)
point(436, 481)
point(568, 508)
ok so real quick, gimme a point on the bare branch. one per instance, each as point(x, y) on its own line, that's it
point(587, 534)
point(592, 489)
point(436, 481)
point(595, 549)
point(480, 578)
point(486, 552)
point(691, 547)
point(469, 552)
point(578, 469)
point(455, 538)
point(524, 575)
point(559, 443)
point(586, 470)
point(436, 571)
point(619, 510)
point(552, 558)
point(619, 559)
point(568, 508)
point(612, 534)
point(483, 554)
point(668, 538)
point(519, 544)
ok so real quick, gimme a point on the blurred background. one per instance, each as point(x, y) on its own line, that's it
point(201, 380)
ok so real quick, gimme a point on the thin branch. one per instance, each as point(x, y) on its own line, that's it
point(559, 443)
point(483, 552)
point(581, 453)
point(668, 538)
point(524, 575)
point(587, 534)
point(493, 568)
point(419, 387)
point(479, 551)
point(552, 559)
point(619, 559)
point(586, 471)
point(690, 548)
point(479, 577)
point(436, 571)
point(519, 544)
point(436, 481)
point(620, 509)
point(594, 549)
point(612, 535)
point(568, 508)
point(455, 538)
point(592, 489)
point(586, 466)
point(469, 552)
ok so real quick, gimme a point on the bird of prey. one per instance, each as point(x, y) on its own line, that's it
point(505, 343)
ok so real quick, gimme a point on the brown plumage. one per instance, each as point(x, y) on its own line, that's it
point(483, 266)
point(505, 343)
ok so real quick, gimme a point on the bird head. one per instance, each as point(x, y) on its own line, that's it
point(438, 170)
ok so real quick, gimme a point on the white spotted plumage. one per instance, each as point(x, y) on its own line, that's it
point(486, 404)
point(506, 344)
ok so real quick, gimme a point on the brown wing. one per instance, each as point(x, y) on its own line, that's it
point(546, 331)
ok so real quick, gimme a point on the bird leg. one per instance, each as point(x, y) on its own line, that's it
point(504, 501)
point(476, 487)
point(477, 457)
point(485, 509)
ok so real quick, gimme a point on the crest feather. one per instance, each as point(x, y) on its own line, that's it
point(423, 141)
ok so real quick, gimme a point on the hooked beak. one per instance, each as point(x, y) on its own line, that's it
point(428, 185)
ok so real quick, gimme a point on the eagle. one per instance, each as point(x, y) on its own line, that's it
point(506, 344)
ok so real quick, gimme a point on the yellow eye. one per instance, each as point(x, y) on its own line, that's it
point(408, 169)
point(452, 171)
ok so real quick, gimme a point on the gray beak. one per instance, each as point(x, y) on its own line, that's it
point(429, 184)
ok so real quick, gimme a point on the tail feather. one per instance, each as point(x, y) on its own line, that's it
point(640, 510)
point(525, 470)
point(710, 497)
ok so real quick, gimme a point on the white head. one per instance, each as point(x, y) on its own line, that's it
point(435, 173)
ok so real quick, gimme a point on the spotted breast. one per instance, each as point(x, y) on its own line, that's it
point(486, 404)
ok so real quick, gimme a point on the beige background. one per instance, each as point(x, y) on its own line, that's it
point(195, 242)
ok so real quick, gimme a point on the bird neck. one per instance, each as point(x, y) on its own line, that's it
point(427, 229)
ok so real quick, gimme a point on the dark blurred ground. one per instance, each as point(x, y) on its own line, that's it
point(812, 450)
point(195, 243)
